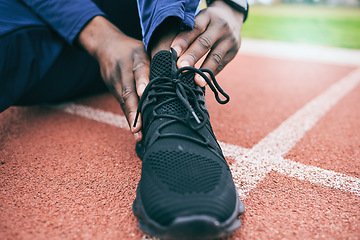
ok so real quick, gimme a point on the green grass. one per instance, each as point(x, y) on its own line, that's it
point(330, 26)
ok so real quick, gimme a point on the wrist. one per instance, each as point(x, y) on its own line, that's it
point(97, 35)
point(240, 8)
point(238, 15)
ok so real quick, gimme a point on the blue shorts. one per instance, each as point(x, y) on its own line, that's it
point(38, 66)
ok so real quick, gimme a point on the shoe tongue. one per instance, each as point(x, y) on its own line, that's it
point(163, 64)
point(188, 78)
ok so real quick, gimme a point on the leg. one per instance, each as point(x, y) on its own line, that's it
point(26, 56)
point(186, 189)
point(74, 73)
point(40, 67)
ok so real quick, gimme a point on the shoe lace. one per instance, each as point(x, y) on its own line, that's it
point(174, 88)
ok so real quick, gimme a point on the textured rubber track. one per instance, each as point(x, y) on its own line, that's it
point(73, 174)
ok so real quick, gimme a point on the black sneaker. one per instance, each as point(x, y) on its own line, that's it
point(186, 188)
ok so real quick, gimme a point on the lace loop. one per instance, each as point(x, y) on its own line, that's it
point(214, 87)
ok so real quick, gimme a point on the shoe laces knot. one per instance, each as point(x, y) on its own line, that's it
point(179, 89)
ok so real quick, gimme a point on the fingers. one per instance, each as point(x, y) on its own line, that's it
point(213, 42)
point(215, 35)
point(194, 44)
point(220, 55)
point(184, 39)
point(141, 71)
point(129, 101)
point(122, 86)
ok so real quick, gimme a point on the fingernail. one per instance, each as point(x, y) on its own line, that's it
point(177, 49)
point(137, 136)
point(141, 89)
point(134, 129)
point(184, 63)
point(137, 125)
point(200, 81)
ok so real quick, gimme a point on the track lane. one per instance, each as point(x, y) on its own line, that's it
point(64, 180)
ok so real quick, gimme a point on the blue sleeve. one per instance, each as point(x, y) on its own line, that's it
point(67, 17)
point(153, 12)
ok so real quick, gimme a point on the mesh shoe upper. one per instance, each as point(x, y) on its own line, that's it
point(184, 172)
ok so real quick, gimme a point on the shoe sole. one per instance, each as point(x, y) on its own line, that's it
point(189, 227)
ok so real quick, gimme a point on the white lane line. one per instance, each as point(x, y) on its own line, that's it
point(230, 150)
point(121, 122)
point(248, 172)
point(296, 51)
point(267, 155)
point(317, 175)
point(94, 114)
point(252, 165)
point(283, 139)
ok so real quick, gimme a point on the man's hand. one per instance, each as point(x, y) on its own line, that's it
point(216, 34)
point(124, 65)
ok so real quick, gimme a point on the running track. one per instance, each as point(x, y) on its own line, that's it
point(291, 134)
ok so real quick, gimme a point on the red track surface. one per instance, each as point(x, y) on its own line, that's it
point(64, 176)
